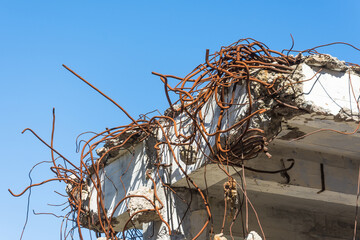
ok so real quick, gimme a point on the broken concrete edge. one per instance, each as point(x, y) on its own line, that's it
point(253, 236)
point(148, 208)
point(329, 62)
point(142, 207)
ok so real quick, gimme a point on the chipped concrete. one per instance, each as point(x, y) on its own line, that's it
point(219, 236)
point(253, 236)
point(71, 191)
point(117, 147)
point(326, 61)
point(146, 208)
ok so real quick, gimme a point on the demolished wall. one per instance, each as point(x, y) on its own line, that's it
point(226, 118)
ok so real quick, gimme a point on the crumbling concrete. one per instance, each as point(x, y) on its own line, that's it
point(142, 209)
point(219, 236)
point(253, 236)
point(326, 61)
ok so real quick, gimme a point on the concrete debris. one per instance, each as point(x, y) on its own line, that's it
point(326, 61)
point(74, 191)
point(219, 236)
point(101, 151)
point(140, 203)
point(346, 114)
point(310, 106)
point(170, 113)
point(291, 94)
point(125, 141)
point(356, 69)
point(253, 236)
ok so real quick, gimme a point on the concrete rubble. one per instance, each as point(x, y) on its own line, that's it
point(253, 236)
point(219, 236)
point(327, 61)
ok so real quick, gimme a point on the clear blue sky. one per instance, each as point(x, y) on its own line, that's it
point(115, 45)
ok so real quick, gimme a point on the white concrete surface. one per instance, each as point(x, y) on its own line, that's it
point(253, 236)
point(332, 90)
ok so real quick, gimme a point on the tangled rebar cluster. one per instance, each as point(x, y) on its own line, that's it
point(198, 123)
